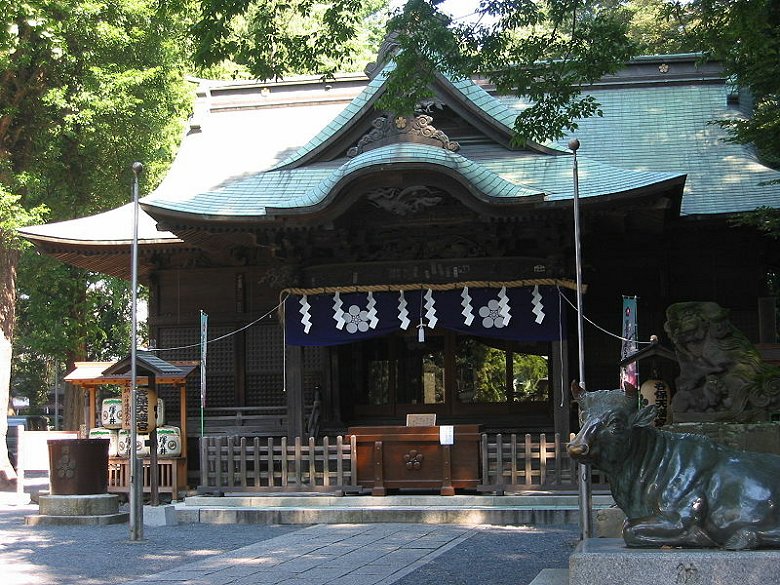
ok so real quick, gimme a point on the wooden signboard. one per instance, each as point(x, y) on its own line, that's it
point(396, 457)
point(421, 420)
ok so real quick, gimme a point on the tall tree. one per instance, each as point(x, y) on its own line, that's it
point(87, 86)
point(273, 38)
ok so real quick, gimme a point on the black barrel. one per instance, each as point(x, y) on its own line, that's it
point(78, 466)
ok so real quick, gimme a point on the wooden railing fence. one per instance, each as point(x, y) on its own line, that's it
point(253, 464)
point(274, 464)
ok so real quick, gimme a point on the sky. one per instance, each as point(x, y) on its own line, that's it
point(456, 9)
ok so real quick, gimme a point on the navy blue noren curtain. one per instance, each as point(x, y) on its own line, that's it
point(520, 314)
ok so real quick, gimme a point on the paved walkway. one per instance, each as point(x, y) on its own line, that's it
point(243, 554)
point(325, 554)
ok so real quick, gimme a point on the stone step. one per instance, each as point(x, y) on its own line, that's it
point(282, 500)
point(537, 509)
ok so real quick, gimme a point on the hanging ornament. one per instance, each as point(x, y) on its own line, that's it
point(430, 312)
point(538, 307)
point(503, 306)
point(373, 320)
point(305, 314)
point(468, 309)
point(403, 312)
point(338, 313)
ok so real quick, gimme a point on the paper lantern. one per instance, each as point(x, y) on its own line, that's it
point(146, 405)
point(656, 392)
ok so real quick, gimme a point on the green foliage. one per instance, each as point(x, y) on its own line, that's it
point(273, 38)
point(64, 311)
point(14, 216)
point(659, 28)
point(86, 88)
point(546, 50)
point(483, 374)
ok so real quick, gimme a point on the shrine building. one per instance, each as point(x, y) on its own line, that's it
point(358, 266)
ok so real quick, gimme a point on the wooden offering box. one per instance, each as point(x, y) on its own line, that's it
point(392, 457)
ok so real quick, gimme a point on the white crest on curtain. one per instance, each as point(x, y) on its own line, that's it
point(497, 312)
point(356, 318)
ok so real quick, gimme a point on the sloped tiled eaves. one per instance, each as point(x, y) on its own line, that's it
point(300, 188)
point(341, 122)
point(496, 108)
point(481, 179)
point(555, 176)
point(668, 129)
point(504, 180)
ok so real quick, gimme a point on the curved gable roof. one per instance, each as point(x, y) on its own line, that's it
point(463, 96)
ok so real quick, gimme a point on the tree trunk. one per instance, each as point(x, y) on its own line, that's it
point(8, 261)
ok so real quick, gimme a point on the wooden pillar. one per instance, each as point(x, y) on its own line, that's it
point(559, 369)
point(183, 417)
point(92, 408)
point(294, 389)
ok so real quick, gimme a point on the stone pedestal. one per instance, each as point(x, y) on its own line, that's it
point(608, 523)
point(608, 560)
point(90, 509)
point(160, 515)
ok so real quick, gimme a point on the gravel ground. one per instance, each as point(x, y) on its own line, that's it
point(82, 555)
point(499, 555)
point(86, 555)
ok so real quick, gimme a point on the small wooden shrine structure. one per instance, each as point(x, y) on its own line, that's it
point(91, 376)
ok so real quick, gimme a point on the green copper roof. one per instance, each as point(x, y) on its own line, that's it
point(252, 196)
point(487, 175)
point(494, 107)
point(342, 122)
point(668, 129)
point(491, 107)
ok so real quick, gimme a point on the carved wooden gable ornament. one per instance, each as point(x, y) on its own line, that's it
point(387, 130)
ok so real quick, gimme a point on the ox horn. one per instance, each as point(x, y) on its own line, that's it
point(630, 390)
point(576, 389)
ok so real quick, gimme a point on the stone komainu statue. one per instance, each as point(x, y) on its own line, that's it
point(722, 376)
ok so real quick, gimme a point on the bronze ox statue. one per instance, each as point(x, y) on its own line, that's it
point(676, 489)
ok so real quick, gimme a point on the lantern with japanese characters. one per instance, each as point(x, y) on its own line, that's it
point(656, 391)
point(146, 409)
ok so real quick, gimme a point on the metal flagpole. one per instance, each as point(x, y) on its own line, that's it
point(136, 470)
point(583, 477)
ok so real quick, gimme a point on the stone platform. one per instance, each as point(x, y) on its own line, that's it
point(608, 560)
point(93, 509)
